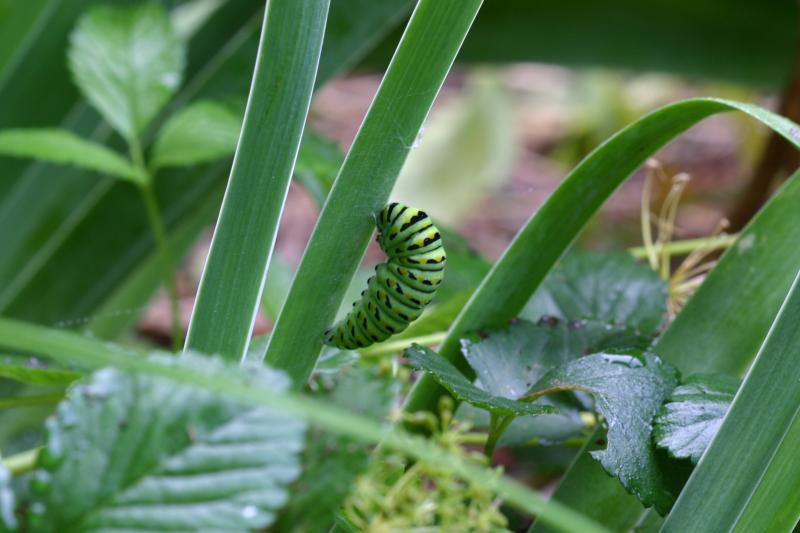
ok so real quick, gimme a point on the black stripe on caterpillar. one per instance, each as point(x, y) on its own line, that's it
point(402, 286)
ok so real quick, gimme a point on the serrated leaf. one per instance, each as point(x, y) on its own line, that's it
point(64, 147)
point(38, 375)
point(690, 419)
point(128, 451)
point(507, 362)
point(628, 392)
point(199, 133)
point(610, 287)
point(461, 388)
point(128, 62)
point(8, 522)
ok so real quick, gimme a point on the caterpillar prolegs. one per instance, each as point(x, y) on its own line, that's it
point(402, 286)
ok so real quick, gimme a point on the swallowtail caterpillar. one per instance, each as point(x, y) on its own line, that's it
point(402, 286)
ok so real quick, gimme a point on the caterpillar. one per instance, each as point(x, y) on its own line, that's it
point(402, 286)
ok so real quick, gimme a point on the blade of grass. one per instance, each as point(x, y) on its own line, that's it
point(719, 330)
point(548, 234)
point(733, 481)
point(74, 349)
point(424, 56)
point(230, 289)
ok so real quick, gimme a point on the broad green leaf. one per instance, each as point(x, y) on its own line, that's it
point(462, 389)
point(423, 58)
point(693, 414)
point(610, 287)
point(8, 522)
point(628, 392)
point(128, 451)
point(547, 429)
point(283, 79)
point(237, 385)
point(64, 147)
point(509, 361)
point(751, 464)
point(436, 318)
point(128, 62)
point(200, 132)
point(37, 375)
point(719, 330)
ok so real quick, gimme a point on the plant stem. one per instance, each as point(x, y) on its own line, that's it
point(22, 462)
point(401, 344)
point(27, 401)
point(687, 246)
point(160, 234)
point(497, 426)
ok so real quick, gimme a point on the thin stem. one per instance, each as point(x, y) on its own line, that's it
point(717, 242)
point(27, 401)
point(497, 426)
point(160, 234)
point(22, 462)
point(401, 344)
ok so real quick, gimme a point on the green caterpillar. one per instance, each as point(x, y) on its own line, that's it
point(401, 287)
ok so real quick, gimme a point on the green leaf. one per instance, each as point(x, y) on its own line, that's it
point(200, 132)
point(462, 389)
point(693, 414)
point(412, 81)
point(244, 238)
point(628, 392)
point(755, 449)
point(64, 147)
point(71, 349)
point(509, 361)
point(610, 287)
point(548, 429)
point(719, 330)
point(128, 62)
point(37, 375)
point(127, 451)
point(8, 522)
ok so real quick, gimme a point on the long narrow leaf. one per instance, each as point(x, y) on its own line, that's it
point(548, 234)
point(720, 330)
point(752, 441)
point(73, 349)
point(423, 58)
point(230, 290)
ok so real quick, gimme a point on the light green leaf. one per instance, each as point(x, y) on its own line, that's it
point(693, 414)
point(317, 165)
point(64, 147)
point(628, 392)
point(611, 287)
point(201, 132)
point(128, 62)
point(462, 389)
point(127, 451)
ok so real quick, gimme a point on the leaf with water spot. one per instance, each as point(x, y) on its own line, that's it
point(690, 419)
point(628, 391)
point(133, 452)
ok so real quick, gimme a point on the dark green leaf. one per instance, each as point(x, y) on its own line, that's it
point(547, 429)
point(64, 147)
point(628, 392)
point(437, 318)
point(127, 451)
point(128, 62)
point(200, 132)
point(693, 414)
point(462, 389)
point(509, 361)
point(610, 287)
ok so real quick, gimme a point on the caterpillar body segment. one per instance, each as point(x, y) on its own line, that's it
point(401, 287)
